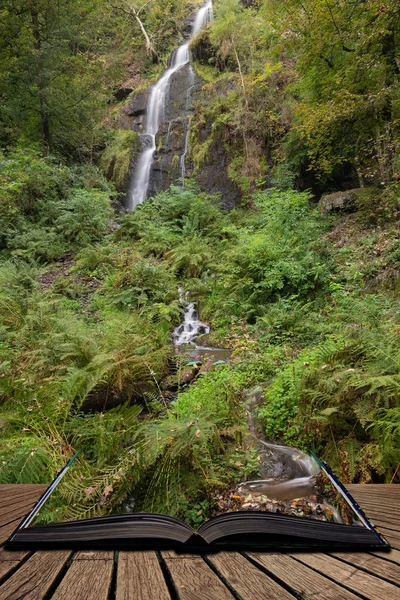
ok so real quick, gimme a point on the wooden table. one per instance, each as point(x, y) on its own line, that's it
point(106, 575)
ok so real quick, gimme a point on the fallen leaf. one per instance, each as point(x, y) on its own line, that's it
point(107, 490)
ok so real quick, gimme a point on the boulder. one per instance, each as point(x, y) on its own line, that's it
point(346, 201)
point(122, 93)
point(132, 115)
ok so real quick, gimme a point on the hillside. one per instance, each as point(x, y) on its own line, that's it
point(282, 105)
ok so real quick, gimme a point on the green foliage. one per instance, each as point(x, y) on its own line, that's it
point(310, 313)
point(273, 258)
point(47, 208)
point(84, 216)
point(117, 156)
point(58, 65)
point(341, 392)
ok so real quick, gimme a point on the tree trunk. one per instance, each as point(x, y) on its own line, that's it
point(391, 74)
point(149, 46)
point(44, 114)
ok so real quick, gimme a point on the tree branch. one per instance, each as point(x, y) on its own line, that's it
point(130, 10)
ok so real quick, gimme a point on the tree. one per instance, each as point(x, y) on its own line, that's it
point(129, 9)
point(346, 55)
point(52, 72)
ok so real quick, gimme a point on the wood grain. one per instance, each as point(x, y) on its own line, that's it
point(35, 577)
point(6, 530)
point(194, 580)
point(392, 555)
point(372, 564)
point(139, 577)
point(30, 493)
point(248, 581)
point(303, 581)
point(10, 560)
point(381, 518)
point(88, 577)
point(393, 540)
point(16, 509)
point(369, 586)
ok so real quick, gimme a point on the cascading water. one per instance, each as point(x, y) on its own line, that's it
point(289, 473)
point(191, 327)
point(140, 182)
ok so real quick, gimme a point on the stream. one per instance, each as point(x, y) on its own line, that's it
point(139, 184)
point(287, 474)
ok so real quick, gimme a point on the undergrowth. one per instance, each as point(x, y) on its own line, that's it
point(87, 362)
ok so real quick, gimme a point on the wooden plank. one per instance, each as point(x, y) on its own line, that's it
point(376, 516)
point(391, 537)
point(248, 581)
point(34, 578)
point(17, 500)
point(303, 581)
point(10, 560)
point(393, 487)
point(139, 577)
point(16, 510)
point(8, 488)
point(368, 585)
point(6, 530)
point(88, 577)
point(389, 495)
point(372, 564)
point(7, 555)
point(193, 578)
point(9, 500)
point(384, 502)
point(393, 555)
point(389, 532)
point(381, 505)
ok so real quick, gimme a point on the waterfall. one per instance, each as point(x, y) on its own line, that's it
point(191, 327)
point(155, 112)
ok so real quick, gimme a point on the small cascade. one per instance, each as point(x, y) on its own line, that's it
point(191, 327)
point(155, 113)
point(287, 473)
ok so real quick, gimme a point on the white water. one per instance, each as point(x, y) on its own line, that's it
point(191, 327)
point(155, 113)
point(297, 478)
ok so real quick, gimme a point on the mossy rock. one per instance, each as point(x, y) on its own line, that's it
point(211, 340)
point(116, 159)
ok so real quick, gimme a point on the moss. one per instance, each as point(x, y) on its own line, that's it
point(117, 156)
point(208, 73)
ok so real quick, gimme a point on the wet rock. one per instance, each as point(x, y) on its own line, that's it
point(133, 114)
point(122, 93)
point(212, 177)
point(340, 201)
point(202, 49)
point(166, 168)
point(210, 339)
point(188, 374)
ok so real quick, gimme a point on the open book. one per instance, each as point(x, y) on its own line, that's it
point(238, 529)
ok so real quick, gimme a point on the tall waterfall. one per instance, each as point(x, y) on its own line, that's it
point(155, 112)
